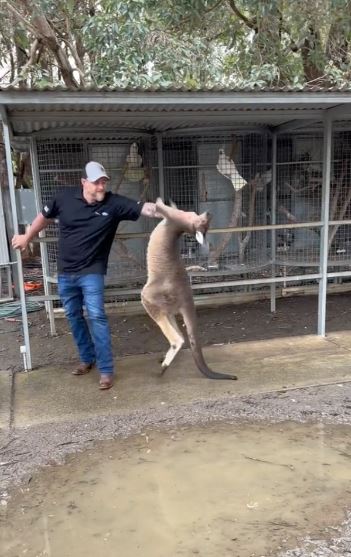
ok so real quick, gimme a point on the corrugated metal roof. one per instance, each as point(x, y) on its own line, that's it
point(152, 117)
point(163, 109)
point(25, 120)
point(308, 87)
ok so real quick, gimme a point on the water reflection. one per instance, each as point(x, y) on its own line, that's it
point(220, 490)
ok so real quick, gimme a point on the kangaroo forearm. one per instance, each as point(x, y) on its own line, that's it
point(182, 218)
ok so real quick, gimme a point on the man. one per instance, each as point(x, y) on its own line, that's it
point(88, 220)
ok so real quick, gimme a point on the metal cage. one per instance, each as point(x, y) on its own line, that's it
point(266, 227)
point(275, 180)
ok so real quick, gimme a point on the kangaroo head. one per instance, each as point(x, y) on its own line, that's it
point(185, 221)
point(201, 225)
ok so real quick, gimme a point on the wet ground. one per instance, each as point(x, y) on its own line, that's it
point(293, 398)
point(238, 491)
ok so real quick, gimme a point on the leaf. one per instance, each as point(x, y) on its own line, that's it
point(190, 42)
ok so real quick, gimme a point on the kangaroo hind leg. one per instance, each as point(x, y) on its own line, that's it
point(170, 329)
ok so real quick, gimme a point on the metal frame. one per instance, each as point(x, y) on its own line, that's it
point(25, 349)
point(322, 295)
point(161, 178)
point(173, 107)
point(43, 246)
point(273, 213)
point(4, 256)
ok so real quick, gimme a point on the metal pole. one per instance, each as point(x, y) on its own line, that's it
point(25, 349)
point(273, 217)
point(161, 178)
point(4, 253)
point(323, 265)
point(43, 246)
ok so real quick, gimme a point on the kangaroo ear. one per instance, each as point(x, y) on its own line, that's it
point(159, 203)
point(200, 237)
point(206, 216)
point(203, 242)
point(161, 208)
point(172, 204)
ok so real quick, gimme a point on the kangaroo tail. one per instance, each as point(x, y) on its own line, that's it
point(203, 367)
point(189, 316)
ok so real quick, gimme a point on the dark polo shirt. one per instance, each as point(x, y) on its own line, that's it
point(86, 231)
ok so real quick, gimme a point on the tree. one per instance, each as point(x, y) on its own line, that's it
point(111, 43)
point(277, 42)
point(195, 43)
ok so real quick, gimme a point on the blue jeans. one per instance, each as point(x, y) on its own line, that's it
point(93, 341)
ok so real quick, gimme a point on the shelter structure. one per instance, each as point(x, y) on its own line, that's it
point(273, 168)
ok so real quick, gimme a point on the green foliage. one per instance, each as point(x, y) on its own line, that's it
point(131, 45)
point(195, 43)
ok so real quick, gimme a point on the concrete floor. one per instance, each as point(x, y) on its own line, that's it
point(52, 394)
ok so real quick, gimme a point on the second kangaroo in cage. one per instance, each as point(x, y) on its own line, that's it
point(168, 291)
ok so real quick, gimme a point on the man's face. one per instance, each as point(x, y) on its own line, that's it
point(94, 190)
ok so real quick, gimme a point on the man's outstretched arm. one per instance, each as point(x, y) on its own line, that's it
point(21, 241)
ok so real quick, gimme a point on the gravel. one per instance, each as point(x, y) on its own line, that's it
point(24, 451)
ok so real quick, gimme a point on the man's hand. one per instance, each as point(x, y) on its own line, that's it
point(20, 241)
point(149, 210)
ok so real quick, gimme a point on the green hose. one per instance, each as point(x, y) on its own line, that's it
point(11, 309)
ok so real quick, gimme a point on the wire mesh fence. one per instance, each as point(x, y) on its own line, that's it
point(231, 176)
point(226, 175)
point(60, 166)
point(299, 200)
point(299, 185)
point(339, 241)
point(6, 290)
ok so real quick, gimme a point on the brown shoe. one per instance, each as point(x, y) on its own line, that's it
point(106, 381)
point(82, 369)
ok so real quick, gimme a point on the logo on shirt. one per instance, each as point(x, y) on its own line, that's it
point(103, 213)
point(46, 209)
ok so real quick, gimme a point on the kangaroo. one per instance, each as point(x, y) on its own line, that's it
point(168, 291)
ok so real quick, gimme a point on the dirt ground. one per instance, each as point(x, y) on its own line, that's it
point(139, 335)
point(43, 444)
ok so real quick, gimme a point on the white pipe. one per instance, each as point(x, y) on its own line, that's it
point(161, 182)
point(273, 218)
point(323, 269)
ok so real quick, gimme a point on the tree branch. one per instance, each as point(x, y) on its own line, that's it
point(244, 242)
point(28, 64)
point(46, 33)
point(73, 49)
point(19, 16)
point(12, 62)
point(42, 30)
point(188, 18)
point(252, 23)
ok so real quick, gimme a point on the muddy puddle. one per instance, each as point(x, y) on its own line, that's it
point(217, 491)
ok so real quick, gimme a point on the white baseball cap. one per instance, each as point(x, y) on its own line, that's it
point(94, 171)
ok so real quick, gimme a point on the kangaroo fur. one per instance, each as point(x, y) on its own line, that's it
point(168, 291)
